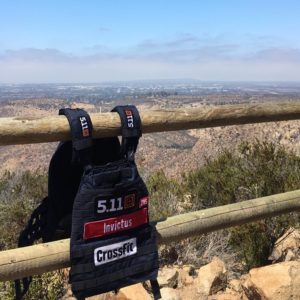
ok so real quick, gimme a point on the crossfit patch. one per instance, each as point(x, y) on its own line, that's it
point(114, 225)
point(106, 254)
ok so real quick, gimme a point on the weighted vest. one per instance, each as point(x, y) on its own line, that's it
point(112, 243)
point(51, 220)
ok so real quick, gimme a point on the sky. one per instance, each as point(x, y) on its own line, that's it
point(96, 41)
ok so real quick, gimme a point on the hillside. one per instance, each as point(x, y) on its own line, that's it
point(175, 152)
point(229, 178)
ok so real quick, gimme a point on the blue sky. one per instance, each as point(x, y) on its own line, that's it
point(94, 41)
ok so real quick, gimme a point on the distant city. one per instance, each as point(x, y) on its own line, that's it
point(112, 91)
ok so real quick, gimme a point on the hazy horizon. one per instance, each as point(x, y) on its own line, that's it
point(161, 81)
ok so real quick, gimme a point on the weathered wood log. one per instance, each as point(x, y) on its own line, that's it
point(49, 129)
point(37, 259)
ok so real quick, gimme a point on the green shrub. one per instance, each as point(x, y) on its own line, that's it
point(216, 183)
point(48, 286)
point(20, 194)
point(257, 170)
point(165, 195)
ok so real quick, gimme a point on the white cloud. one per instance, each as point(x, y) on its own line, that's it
point(186, 56)
point(286, 55)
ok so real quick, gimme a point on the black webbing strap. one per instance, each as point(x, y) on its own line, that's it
point(32, 232)
point(21, 289)
point(155, 289)
point(81, 131)
point(131, 129)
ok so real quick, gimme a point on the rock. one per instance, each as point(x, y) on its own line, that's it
point(185, 280)
point(211, 278)
point(226, 296)
point(106, 296)
point(235, 285)
point(287, 247)
point(168, 277)
point(189, 269)
point(169, 294)
point(68, 297)
point(276, 282)
point(186, 276)
point(134, 292)
point(290, 255)
point(68, 294)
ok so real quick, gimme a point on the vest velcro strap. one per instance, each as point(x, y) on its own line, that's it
point(81, 127)
point(155, 289)
point(130, 128)
point(81, 132)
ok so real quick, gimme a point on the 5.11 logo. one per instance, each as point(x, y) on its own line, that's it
point(129, 117)
point(115, 204)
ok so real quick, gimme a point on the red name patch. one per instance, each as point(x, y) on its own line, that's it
point(114, 225)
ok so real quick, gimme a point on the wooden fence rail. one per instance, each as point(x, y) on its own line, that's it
point(38, 259)
point(56, 128)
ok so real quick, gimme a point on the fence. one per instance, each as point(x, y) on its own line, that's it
point(37, 259)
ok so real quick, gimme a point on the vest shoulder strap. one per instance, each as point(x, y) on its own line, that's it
point(130, 128)
point(81, 132)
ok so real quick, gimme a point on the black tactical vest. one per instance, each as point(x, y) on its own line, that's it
point(51, 220)
point(112, 243)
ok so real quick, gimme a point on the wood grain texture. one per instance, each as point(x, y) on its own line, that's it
point(37, 259)
point(56, 128)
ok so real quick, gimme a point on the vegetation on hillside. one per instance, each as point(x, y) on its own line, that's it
point(19, 195)
point(257, 170)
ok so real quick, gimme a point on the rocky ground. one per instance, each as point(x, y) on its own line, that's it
point(277, 281)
